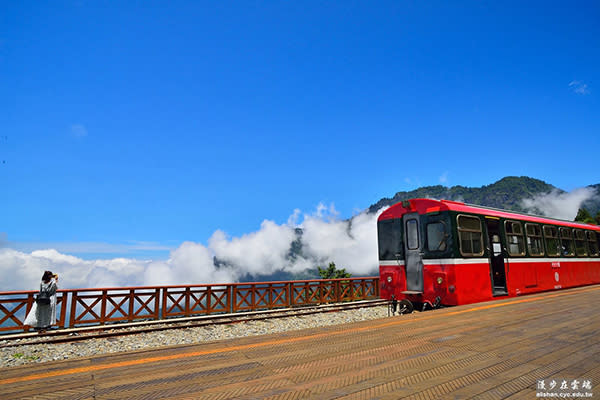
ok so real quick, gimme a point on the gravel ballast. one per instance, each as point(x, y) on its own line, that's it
point(31, 350)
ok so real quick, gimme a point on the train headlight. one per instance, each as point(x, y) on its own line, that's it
point(439, 280)
point(389, 279)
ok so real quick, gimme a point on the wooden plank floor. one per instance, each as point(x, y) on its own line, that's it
point(493, 350)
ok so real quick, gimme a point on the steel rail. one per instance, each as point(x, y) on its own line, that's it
point(115, 330)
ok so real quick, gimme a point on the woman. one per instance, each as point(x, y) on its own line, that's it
point(42, 316)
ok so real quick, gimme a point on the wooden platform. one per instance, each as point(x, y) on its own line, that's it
point(493, 350)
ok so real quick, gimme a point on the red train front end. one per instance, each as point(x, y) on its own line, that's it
point(411, 234)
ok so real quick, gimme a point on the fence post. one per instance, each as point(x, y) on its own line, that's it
point(187, 301)
point(156, 303)
point(131, 303)
point(164, 303)
point(233, 298)
point(270, 304)
point(74, 300)
point(63, 309)
point(321, 291)
point(208, 300)
point(230, 298)
point(103, 307)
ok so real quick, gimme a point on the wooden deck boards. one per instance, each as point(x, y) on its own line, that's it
point(491, 350)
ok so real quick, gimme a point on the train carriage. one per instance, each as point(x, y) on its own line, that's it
point(440, 252)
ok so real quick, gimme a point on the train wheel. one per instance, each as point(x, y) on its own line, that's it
point(405, 307)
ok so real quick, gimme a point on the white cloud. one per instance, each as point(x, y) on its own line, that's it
point(193, 263)
point(292, 220)
point(558, 205)
point(261, 252)
point(579, 87)
point(189, 263)
point(351, 244)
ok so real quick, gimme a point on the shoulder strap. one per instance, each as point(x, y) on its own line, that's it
point(42, 291)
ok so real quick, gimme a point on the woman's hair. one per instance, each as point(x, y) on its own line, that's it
point(47, 276)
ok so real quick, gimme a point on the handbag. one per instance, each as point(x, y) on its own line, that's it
point(42, 298)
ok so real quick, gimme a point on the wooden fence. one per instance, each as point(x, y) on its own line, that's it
point(99, 306)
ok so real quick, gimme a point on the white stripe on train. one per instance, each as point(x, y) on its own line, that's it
point(455, 261)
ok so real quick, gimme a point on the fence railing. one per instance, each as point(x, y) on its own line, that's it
point(88, 307)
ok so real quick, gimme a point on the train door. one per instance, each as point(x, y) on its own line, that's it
point(497, 261)
point(413, 254)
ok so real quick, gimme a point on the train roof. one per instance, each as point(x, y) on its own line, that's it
point(426, 206)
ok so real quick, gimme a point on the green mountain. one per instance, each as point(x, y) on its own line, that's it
point(508, 193)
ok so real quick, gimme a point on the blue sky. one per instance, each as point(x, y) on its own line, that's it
point(141, 125)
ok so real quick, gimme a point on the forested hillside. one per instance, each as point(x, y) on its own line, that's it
point(508, 193)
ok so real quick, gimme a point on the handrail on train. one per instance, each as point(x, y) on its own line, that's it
point(100, 306)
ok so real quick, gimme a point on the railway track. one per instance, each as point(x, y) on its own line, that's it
point(125, 329)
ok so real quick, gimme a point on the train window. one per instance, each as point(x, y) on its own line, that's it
point(552, 243)
point(534, 240)
point(514, 238)
point(436, 236)
point(412, 234)
point(580, 242)
point(566, 242)
point(470, 235)
point(592, 242)
point(389, 235)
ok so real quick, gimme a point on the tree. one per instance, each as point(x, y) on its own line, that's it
point(333, 273)
point(597, 218)
point(584, 216)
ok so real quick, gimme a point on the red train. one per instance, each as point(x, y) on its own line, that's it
point(440, 252)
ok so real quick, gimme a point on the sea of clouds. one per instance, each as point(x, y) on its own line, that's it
point(350, 243)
